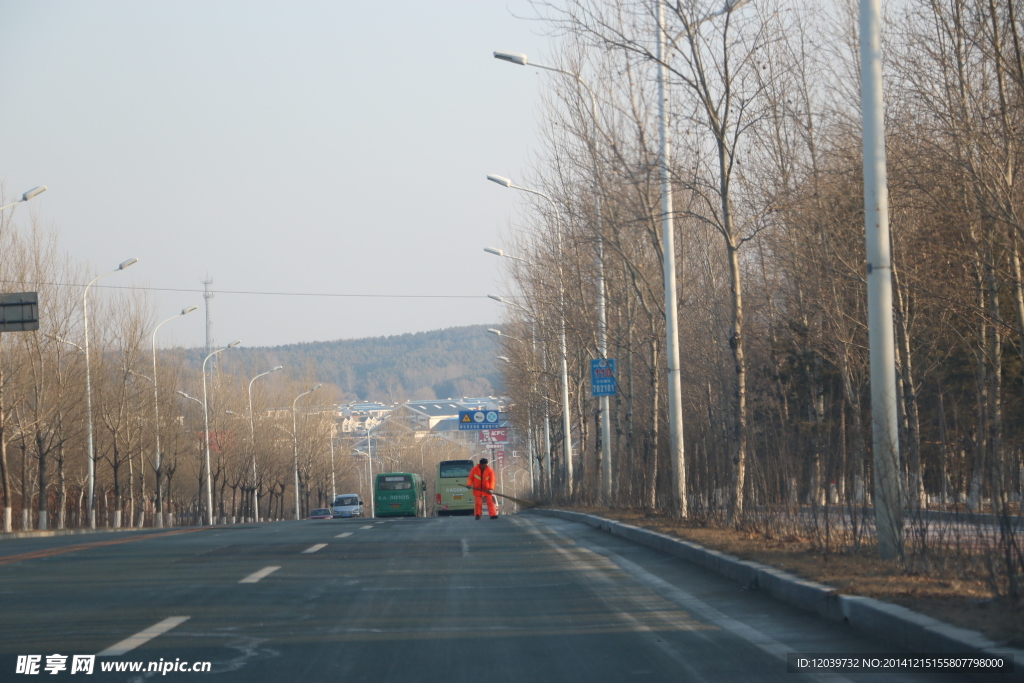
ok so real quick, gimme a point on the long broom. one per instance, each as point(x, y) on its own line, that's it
point(520, 501)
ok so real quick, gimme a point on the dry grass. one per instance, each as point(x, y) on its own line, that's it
point(964, 602)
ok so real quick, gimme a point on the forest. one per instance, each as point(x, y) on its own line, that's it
point(763, 121)
point(102, 428)
point(448, 363)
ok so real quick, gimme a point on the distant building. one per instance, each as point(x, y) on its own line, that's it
point(364, 422)
point(486, 403)
point(356, 418)
point(422, 416)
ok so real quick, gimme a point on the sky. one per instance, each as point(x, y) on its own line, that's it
point(334, 147)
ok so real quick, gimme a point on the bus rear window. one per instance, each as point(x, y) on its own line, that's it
point(394, 483)
point(455, 468)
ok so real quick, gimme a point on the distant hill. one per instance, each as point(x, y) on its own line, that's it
point(457, 361)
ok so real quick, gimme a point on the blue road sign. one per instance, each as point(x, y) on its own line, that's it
point(478, 419)
point(602, 377)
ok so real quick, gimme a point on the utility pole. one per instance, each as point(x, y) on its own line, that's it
point(675, 404)
point(881, 337)
point(207, 296)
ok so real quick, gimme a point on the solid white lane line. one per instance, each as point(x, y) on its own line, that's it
point(366, 527)
point(129, 644)
point(344, 535)
point(680, 597)
point(314, 548)
point(256, 576)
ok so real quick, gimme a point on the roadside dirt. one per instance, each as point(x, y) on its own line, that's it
point(966, 601)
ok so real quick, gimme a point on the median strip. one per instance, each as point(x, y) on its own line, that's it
point(314, 548)
point(129, 644)
point(256, 576)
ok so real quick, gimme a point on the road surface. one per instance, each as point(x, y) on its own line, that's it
point(523, 598)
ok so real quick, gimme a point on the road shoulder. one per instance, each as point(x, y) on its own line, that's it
point(886, 622)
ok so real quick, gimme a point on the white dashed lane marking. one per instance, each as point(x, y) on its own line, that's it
point(368, 526)
point(256, 576)
point(129, 644)
point(344, 535)
point(314, 548)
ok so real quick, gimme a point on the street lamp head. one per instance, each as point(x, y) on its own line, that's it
point(496, 298)
point(33, 192)
point(279, 367)
point(514, 57)
point(316, 387)
point(494, 331)
point(233, 344)
point(504, 358)
point(129, 262)
point(182, 393)
point(186, 311)
point(492, 250)
point(505, 182)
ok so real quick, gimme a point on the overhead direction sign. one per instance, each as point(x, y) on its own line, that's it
point(602, 377)
point(478, 419)
point(19, 312)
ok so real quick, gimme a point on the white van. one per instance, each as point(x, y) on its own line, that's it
point(348, 505)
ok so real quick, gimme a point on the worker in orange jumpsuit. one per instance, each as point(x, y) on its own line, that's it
point(481, 480)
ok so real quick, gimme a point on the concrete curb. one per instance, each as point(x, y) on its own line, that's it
point(892, 624)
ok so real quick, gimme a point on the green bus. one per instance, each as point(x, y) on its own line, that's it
point(453, 498)
point(400, 494)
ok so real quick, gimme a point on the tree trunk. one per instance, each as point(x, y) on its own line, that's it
point(5, 472)
point(43, 483)
point(115, 464)
point(26, 497)
point(62, 487)
point(739, 455)
point(911, 414)
point(651, 492)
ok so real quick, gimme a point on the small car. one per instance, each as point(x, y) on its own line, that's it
point(348, 505)
point(321, 513)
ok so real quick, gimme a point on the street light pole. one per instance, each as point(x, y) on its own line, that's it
point(566, 423)
point(252, 445)
point(156, 425)
point(501, 253)
point(334, 481)
point(206, 433)
point(369, 472)
point(529, 409)
point(546, 483)
point(602, 320)
point(27, 196)
point(295, 446)
point(369, 458)
point(91, 465)
point(201, 405)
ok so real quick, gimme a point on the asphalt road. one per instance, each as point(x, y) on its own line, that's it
point(521, 599)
